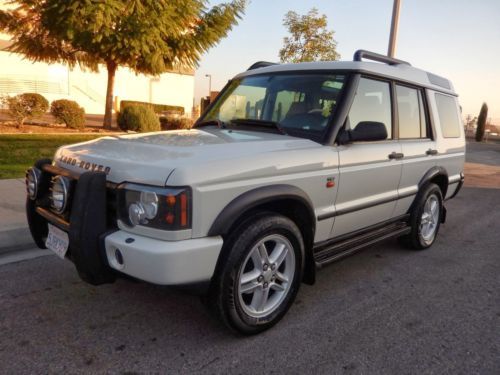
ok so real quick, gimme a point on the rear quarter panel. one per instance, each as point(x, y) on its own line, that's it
point(451, 151)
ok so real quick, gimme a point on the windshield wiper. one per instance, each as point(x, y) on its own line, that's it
point(220, 124)
point(259, 123)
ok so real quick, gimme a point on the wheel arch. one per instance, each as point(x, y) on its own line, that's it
point(437, 175)
point(287, 200)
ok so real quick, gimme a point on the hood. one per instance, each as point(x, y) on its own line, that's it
point(150, 158)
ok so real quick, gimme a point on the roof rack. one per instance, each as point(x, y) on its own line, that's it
point(261, 64)
point(361, 53)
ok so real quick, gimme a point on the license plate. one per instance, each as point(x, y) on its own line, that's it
point(57, 241)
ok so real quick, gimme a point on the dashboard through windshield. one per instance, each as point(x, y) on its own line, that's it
point(297, 104)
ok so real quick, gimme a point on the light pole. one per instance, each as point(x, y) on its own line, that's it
point(394, 28)
point(209, 76)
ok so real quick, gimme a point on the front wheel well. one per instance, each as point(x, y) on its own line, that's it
point(296, 211)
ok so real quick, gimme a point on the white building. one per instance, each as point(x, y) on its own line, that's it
point(56, 81)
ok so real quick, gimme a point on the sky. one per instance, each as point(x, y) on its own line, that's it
point(457, 39)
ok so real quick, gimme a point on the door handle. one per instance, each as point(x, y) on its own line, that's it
point(396, 155)
point(431, 152)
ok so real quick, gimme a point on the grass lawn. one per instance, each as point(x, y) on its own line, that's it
point(19, 152)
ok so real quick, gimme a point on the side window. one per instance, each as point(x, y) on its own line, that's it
point(411, 115)
point(372, 103)
point(448, 115)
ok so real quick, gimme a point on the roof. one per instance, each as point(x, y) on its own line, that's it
point(401, 72)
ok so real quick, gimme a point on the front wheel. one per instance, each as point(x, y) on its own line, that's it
point(425, 218)
point(260, 277)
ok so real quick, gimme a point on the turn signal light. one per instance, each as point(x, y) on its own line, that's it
point(184, 213)
point(171, 200)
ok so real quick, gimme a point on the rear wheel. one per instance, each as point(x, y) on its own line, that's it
point(260, 276)
point(425, 218)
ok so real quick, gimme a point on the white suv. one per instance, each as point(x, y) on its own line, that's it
point(292, 167)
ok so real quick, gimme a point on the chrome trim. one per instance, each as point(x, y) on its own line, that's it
point(454, 179)
point(35, 173)
point(64, 183)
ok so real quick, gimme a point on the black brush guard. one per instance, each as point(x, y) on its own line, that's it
point(86, 223)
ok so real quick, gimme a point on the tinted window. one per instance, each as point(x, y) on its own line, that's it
point(372, 103)
point(448, 115)
point(284, 101)
point(412, 123)
point(302, 104)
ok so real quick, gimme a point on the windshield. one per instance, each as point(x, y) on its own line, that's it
point(300, 105)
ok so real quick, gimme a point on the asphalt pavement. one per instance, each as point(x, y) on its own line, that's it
point(386, 310)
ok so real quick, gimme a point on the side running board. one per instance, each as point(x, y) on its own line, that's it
point(332, 250)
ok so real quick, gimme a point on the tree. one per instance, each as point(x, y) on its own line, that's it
point(310, 39)
point(481, 122)
point(147, 36)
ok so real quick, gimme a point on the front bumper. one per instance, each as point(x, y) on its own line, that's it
point(163, 262)
point(97, 247)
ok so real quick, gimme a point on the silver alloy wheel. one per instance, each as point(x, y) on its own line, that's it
point(430, 218)
point(266, 276)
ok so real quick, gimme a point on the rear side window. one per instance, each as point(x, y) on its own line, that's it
point(411, 115)
point(448, 115)
point(372, 103)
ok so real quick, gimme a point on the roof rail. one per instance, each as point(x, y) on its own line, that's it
point(361, 53)
point(261, 64)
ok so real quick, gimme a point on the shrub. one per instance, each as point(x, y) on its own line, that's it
point(138, 118)
point(68, 112)
point(157, 108)
point(170, 123)
point(25, 106)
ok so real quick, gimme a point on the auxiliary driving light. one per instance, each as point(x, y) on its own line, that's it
point(59, 194)
point(32, 180)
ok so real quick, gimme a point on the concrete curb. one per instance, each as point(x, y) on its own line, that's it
point(16, 240)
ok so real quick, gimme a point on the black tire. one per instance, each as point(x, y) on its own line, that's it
point(224, 298)
point(415, 239)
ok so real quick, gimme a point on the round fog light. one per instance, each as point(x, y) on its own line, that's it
point(32, 181)
point(59, 195)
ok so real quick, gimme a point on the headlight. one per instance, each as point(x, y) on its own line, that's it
point(155, 207)
point(32, 181)
point(59, 194)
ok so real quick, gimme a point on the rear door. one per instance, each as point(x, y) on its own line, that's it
point(369, 172)
point(417, 143)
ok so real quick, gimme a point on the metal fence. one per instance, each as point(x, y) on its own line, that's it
point(18, 85)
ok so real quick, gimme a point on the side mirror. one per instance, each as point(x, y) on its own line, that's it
point(365, 131)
